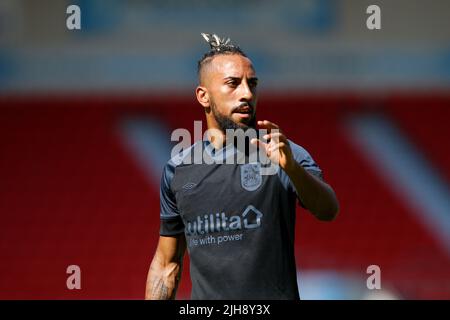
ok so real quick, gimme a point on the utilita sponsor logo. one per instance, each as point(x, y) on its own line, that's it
point(216, 222)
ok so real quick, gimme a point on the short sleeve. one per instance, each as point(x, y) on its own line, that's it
point(302, 157)
point(305, 160)
point(171, 222)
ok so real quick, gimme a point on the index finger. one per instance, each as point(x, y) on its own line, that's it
point(268, 124)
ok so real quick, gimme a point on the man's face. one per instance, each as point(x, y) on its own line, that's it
point(231, 83)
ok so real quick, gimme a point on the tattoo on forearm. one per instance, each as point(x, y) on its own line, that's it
point(159, 290)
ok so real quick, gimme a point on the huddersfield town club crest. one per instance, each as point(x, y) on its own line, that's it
point(251, 176)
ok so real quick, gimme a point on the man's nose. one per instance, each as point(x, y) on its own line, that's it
point(247, 93)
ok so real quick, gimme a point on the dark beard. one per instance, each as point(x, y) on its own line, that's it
point(225, 122)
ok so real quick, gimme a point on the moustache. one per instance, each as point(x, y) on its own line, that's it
point(244, 107)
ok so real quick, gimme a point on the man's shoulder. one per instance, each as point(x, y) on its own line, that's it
point(177, 160)
point(181, 157)
point(302, 156)
point(298, 151)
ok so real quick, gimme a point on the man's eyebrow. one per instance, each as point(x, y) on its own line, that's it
point(238, 78)
point(232, 78)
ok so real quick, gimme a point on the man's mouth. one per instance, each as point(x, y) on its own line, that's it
point(245, 111)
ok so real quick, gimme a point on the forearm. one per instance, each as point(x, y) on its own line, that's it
point(316, 195)
point(163, 280)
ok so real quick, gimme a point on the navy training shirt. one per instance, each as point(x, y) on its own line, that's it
point(239, 224)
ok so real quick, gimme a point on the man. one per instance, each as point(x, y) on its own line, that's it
point(237, 223)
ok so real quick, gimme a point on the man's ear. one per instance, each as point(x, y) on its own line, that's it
point(202, 96)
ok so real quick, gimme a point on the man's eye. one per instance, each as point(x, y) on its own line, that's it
point(232, 83)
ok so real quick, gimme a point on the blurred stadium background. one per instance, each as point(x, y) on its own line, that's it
point(86, 117)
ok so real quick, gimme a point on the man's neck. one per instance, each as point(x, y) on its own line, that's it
point(216, 136)
point(217, 140)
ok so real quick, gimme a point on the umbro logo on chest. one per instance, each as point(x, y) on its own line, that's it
point(250, 174)
point(189, 186)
